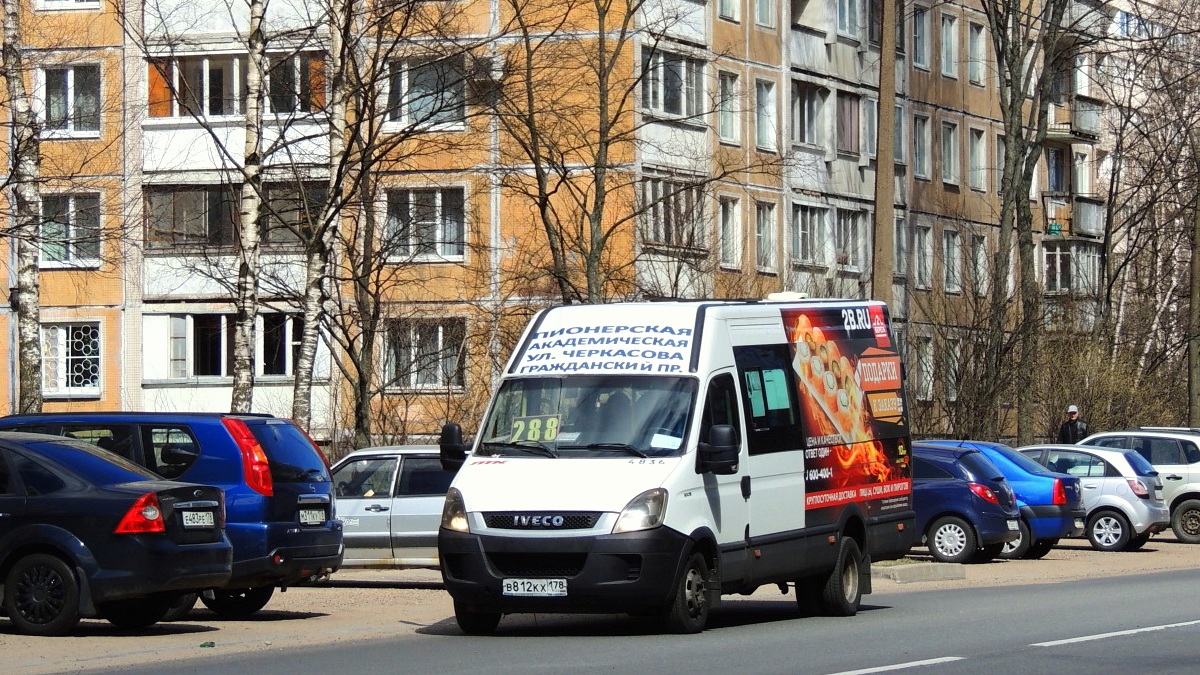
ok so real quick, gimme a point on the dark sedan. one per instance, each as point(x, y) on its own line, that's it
point(86, 533)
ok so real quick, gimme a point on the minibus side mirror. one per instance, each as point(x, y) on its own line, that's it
point(453, 451)
point(720, 454)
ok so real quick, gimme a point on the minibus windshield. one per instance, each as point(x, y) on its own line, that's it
point(590, 416)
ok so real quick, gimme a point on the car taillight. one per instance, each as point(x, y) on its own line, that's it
point(984, 492)
point(1060, 492)
point(1137, 487)
point(316, 447)
point(254, 461)
point(144, 516)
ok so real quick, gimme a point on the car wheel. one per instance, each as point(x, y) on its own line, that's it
point(842, 591)
point(136, 612)
point(181, 606)
point(237, 603)
point(41, 595)
point(688, 611)
point(1108, 531)
point(987, 553)
point(472, 622)
point(1039, 549)
point(1017, 548)
point(1137, 542)
point(1185, 521)
point(951, 540)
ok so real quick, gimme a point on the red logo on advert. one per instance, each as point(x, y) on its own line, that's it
point(880, 327)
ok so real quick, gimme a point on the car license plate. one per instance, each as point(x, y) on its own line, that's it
point(312, 516)
point(198, 519)
point(1012, 525)
point(1158, 494)
point(539, 588)
point(1079, 523)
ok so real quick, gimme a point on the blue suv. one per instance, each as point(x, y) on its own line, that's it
point(1051, 503)
point(966, 510)
point(278, 494)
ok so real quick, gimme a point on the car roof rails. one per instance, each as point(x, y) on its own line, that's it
point(1186, 430)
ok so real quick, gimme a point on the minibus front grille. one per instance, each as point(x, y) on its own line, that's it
point(541, 520)
point(538, 564)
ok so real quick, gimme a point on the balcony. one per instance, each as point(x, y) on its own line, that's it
point(1085, 20)
point(1087, 215)
point(1077, 120)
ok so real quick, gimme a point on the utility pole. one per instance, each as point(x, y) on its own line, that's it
point(882, 268)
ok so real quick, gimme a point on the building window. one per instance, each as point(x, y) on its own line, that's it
point(672, 84)
point(920, 25)
point(1082, 175)
point(427, 91)
point(764, 13)
point(727, 9)
point(899, 145)
point(728, 121)
point(72, 99)
point(731, 232)
point(191, 216)
point(949, 46)
point(202, 344)
point(203, 86)
point(296, 83)
point(70, 229)
point(1001, 151)
point(921, 146)
point(1087, 268)
point(292, 213)
point(951, 362)
point(425, 354)
point(871, 125)
point(673, 212)
point(764, 114)
point(848, 17)
point(975, 54)
point(1057, 266)
point(950, 153)
point(425, 223)
point(923, 249)
point(1056, 164)
point(848, 122)
point(71, 359)
point(847, 239)
point(979, 265)
point(212, 344)
point(875, 24)
point(923, 365)
point(951, 262)
point(977, 155)
point(807, 102)
point(280, 344)
point(808, 234)
point(900, 248)
point(764, 235)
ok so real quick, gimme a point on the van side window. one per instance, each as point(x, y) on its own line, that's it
point(769, 394)
point(170, 450)
point(720, 405)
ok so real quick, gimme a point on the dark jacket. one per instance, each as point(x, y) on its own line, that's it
point(1072, 431)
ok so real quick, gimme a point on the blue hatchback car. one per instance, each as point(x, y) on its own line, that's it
point(966, 510)
point(1051, 503)
point(278, 491)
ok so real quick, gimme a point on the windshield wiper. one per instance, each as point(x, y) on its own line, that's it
point(624, 447)
point(538, 447)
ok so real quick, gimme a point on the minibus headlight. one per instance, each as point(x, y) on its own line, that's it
point(643, 512)
point(454, 512)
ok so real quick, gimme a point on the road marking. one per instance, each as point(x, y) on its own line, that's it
point(1103, 636)
point(901, 666)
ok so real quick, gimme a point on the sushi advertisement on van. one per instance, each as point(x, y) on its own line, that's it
point(849, 377)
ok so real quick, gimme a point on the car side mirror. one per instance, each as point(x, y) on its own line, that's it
point(452, 450)
point(720, 454)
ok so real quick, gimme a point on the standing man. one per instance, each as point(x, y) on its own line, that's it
point(1073, 429)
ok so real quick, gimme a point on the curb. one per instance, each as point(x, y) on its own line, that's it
point(904, 574)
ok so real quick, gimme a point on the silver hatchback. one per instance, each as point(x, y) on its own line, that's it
point(389, 500)
point(1122, 493)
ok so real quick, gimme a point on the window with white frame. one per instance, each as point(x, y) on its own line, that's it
point(191, 215)
point(425, 223)
point(979, 265)
point(764, 235)
point(923, 250)
point(808, 100)
point(950, 153)
point(425, 353)
point(201, 345)
point(1082, 175)
point(209, 85)
point(921, 146)
point(764, 13)
point(923, 365)
point(70, 232)
point(65, 5)
point(951, 261)
point(672, 211)
point(847, 239)
point(1087, 267)
point(427, 91)
point(898, 135)
point(728, 120)
point(296, 83)
point(920, 24)
point(949, 46)
point(951, 357)
point(977, 156)
point(71, 359)
point(727, 9)
point(976, 49)
point(1056, 258)
point(279, 343)
point(672, 84)
point(847, 15)
point(808, 234)
point(1001, 151)
point(848, 122)
point(71, 103)
point(730, 232)
point(764, 114)
point(1058, 173)
point(900, 248)
point(871, 125)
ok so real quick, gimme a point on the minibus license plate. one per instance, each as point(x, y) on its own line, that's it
point(540, 588)
point(198, 519)
point(1012, 525)
point(312, 516)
